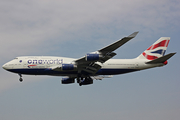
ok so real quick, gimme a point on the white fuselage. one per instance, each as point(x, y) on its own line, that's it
point(43, 65)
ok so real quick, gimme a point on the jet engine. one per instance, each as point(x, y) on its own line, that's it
point(68, 67)
point(67, 80)
point(92, 57)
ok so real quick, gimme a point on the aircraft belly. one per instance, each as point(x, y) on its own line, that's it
point(42, 72)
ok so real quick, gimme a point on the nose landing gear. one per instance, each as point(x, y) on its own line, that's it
point(20, 79)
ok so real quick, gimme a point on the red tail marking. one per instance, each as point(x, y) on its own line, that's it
point(149, 57)
point(160, 44)
point(167, 43)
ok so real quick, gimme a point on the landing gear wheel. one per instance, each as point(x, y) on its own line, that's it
point(78, 80)
point(20, 79)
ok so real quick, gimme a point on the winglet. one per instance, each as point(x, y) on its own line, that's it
point(133, 35)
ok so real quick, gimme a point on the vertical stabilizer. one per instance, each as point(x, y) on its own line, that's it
point(156, 50)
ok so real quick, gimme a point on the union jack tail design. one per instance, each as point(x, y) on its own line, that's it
point(156, 50)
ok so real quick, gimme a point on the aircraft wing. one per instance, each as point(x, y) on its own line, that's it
point(92, 62)
point(117, 44)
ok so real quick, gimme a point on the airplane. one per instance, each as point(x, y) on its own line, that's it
point(94, 65)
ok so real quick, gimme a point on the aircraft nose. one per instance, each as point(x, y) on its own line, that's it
point(4, 66)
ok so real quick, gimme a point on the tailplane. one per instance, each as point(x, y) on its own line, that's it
point(156, 50)
point(162, 59)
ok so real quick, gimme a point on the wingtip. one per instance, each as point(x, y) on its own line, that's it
point(174, 53)
point(133, 34)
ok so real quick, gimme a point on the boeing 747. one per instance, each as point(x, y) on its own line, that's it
point(93, 66)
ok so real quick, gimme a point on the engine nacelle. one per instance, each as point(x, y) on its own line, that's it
point(92, 57)
point(67, 80)
point(86, 81)
point(68, 67)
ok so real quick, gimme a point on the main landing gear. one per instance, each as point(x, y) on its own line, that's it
point(20, 79)
point(84, 81)
point(79, 80)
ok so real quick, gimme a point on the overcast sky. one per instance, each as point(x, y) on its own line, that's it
point(74, 28)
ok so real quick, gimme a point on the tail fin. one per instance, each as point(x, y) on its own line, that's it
point(156, 50)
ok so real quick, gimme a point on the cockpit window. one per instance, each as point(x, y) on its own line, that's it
point(15, 58)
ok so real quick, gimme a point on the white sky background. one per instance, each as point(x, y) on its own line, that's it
point(74, 28)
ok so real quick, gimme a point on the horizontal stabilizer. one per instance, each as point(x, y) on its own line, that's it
point(161, 59)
